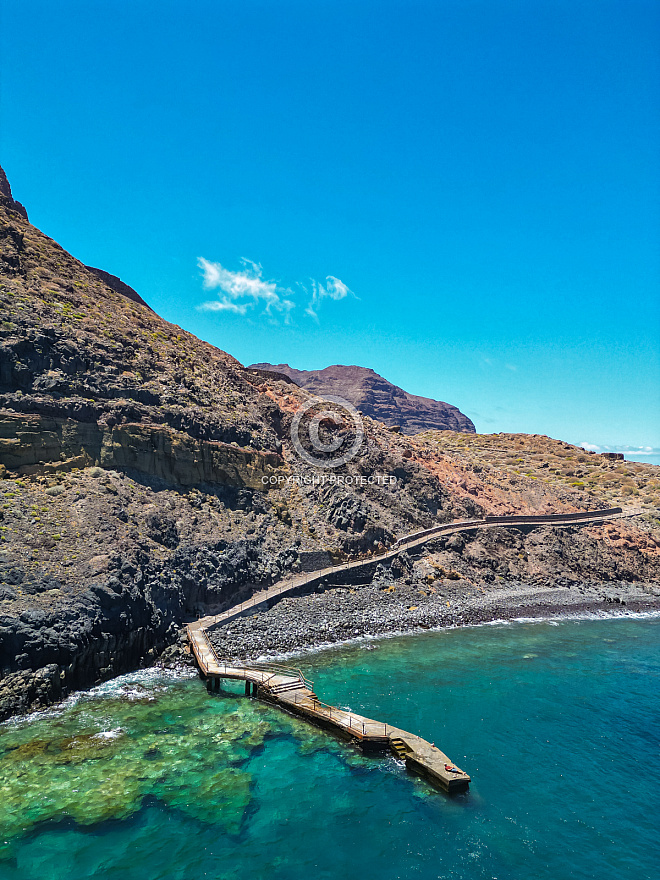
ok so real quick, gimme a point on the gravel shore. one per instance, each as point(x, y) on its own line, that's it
point(342, 614)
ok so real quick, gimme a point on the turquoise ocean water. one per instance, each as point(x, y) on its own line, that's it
point(151, 777)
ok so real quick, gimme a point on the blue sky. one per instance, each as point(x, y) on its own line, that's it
point(463, 195)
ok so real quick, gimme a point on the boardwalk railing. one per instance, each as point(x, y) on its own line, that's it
point(269, 670)
point(278, 669)
point(347, 719)
point(288, 687)
point(414, 540)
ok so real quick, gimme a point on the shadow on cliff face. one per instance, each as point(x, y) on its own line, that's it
point(132, 465)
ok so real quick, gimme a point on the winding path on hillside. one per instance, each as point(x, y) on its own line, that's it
point(288, 687)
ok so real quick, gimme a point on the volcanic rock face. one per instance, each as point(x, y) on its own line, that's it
point(32, 444)
point(135, 476)
point(378, 398)
point(6, 198)
point(118, 285)
point(147, 478)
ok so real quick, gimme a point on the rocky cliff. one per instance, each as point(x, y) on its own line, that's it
point(135, 466)
point(146, 478)
point(118, 285)
point(6, 198)
point(378, 398)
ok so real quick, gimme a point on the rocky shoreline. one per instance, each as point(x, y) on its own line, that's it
point(343, 614)
point(63, 638)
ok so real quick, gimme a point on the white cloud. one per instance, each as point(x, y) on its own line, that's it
point(334, 289)
point(590, 447)
point(637, 450)
point(497, 364)
point(242, 290)
point(246, 289)
point(224, 305)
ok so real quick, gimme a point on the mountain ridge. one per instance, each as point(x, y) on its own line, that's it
point(147, 478)
point(375, 396)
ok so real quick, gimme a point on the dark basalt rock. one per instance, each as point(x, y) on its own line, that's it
point(123, 620)
point(132, 493)
point(117, 284)
point(6, 197)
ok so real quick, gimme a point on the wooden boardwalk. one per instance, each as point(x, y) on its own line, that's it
point(288, 687)
point(310, 580)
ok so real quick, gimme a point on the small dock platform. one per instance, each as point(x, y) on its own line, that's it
point(288, 688)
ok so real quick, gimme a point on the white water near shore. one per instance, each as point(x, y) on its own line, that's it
point(149, 775)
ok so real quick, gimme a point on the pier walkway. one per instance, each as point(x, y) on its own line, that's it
point(309, 581)
point(288, 687)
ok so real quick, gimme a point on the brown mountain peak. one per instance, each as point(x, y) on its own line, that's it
point(6, 198)
point(376, 397)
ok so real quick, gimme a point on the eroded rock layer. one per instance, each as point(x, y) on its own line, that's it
point(147, 478)
point(374, 396)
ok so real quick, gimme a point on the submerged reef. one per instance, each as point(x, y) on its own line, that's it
point(102, 757)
